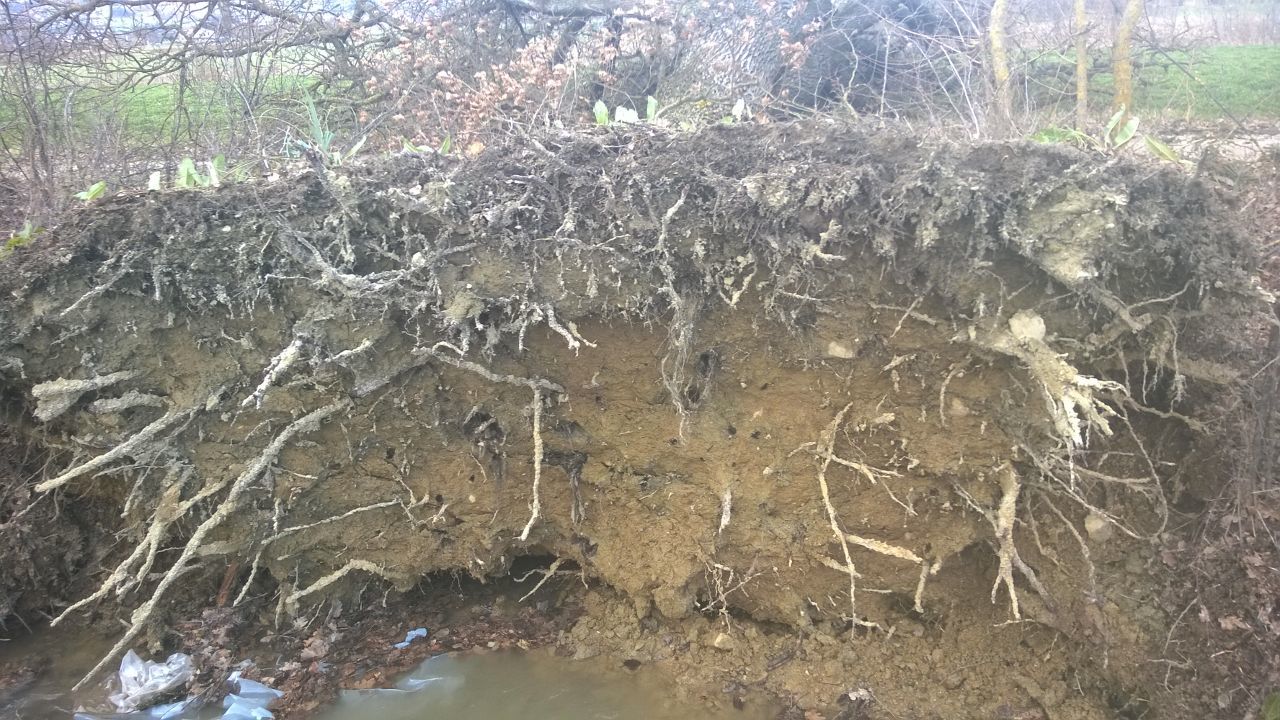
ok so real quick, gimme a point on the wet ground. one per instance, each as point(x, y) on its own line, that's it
point(472, 685)
point(484, 655)
point(37, 671)
point(528, 685)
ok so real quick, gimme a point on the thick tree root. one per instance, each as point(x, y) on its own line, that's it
point(135, 446)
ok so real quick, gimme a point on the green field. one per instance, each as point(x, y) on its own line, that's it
point(1243, 80)
point(1202, 84)
point(146, 114)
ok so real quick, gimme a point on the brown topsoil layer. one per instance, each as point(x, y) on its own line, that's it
point(809, 410)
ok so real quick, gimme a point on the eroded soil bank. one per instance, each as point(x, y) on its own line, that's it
point(807, 410)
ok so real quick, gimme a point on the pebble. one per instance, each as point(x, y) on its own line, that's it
point(723, 641)
point(1098, 528)
point(839, 350)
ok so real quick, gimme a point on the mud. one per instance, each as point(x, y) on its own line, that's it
point(354, 648)
point(42, 547)
point(810, 410)
point(309, 661)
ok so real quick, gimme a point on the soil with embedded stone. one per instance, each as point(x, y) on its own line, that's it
point(811, 411)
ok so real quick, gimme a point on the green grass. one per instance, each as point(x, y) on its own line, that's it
point(1244, 80)
point(145, 114)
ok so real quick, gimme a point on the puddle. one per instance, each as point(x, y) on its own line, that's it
point(464, 686)
point(530, 686)
point(37, 672)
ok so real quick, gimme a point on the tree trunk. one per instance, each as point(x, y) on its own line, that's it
point(1000, 64)
point(1082, 65)
point(1122, 55)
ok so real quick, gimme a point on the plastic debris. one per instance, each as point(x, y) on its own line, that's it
point(413, 684)
point(440, 676)
point(181, 709)
point(142, 682)
point(245, 711)
point(409, 637)
point(250, 700)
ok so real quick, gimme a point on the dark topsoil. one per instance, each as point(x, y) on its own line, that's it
point(694, 311)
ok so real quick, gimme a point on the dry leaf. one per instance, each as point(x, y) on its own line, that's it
point(315, 647)
point(1231, 622)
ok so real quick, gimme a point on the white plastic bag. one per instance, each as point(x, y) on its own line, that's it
point(142, 682)
point(250, 699)
point(181, 709)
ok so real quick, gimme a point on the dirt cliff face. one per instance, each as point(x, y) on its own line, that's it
point(42, 546)
point(799, 376)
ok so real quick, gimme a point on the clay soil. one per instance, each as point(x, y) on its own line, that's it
point(877, 428)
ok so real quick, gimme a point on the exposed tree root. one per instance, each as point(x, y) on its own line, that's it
point(126, 266)
point(482, 371)
point(674, 365)
point(723, 581)
point(684, 312)
point(335, 518)
point(276, 369)
point(826, 451)
point(1084, 549)
point(537, 385)
point(57, 396)
point(547, 574)
point(957, 370)
point(873, 475)
point(142, 615)
point(128, 401)
point(1006, 513)
point(291, 600)
point(1071, 397)
point(382, 301)
point(726, 510)
point(1061, 477)
point(927, 568)
point(535, 504)
point(1002, 522)
point(133, 447)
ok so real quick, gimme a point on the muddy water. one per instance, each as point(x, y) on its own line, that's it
point(531, 686)
point(489, 686)
point(37, 672)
